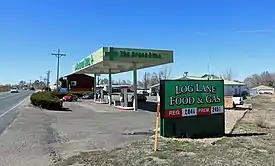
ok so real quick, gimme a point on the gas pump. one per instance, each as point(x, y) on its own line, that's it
point(100, 94)
point(124, 96)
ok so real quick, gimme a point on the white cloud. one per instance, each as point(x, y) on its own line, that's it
point(255, 31)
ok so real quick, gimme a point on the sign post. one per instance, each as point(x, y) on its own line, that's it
point(157, 128)
point(192, 108)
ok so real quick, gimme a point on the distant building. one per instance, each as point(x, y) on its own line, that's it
point(231, 88)
point(262, 89)
point(77, 82)
point(115, 88)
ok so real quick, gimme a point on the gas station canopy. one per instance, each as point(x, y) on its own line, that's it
point(111, 60)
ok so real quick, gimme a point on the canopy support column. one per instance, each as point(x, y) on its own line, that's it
point(94, 90)
point(135, 104)
point(110, 87)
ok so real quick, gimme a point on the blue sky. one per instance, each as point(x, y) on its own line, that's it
point(235, 34)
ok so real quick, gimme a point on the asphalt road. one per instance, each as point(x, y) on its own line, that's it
point(8, 106)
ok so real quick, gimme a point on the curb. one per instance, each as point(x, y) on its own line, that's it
point(124, 108)
point(102, 102)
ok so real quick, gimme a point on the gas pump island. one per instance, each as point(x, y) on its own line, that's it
point(123, 100)
point(99, 96)
point(111, 60)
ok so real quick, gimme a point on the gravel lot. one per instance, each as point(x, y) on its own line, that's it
point(251, 143)
point(39, 137)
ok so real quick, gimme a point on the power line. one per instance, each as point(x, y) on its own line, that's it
point(58, 55)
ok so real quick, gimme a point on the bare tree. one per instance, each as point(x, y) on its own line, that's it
point(124, 82)
point(166, 71)
point(228, 75)
point(98, 80)
point(121, 82)
point(265, 78)
point(163, 74)
point(103, 81)
point(146, 80)
point(128, 82)
point(140, 84)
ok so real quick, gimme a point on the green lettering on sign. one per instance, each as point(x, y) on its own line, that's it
point(180, 94)
point(84, 63)
point(192, 108)
point(133, 54)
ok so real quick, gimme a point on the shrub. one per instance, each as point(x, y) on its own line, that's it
point(81, 93)
point(46, 100)
point(60, 95)
point(245, 94)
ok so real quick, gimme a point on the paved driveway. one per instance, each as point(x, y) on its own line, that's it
point(40, 137)
point(96, 126)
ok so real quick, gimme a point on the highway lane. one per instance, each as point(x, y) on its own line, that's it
point(8, 106)
point(4, 94)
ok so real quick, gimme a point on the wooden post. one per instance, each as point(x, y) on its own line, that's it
point(157, 127)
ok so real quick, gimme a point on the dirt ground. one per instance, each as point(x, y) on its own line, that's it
point(252, 142)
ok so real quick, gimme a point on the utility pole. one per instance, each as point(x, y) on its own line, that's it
point(48, 79)
point(45, 81)
point(58, 56)
point(40, 82)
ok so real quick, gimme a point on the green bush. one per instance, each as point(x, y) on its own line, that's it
point(46, 100)
point(60, 95)
point(245, 94)
point(81, 93)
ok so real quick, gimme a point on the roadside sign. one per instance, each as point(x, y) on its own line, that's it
point(192, 107)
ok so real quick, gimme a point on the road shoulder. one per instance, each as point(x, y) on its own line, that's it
point(26, 141)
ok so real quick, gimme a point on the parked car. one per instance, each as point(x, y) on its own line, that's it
point(105, 92)
point(47, 89)
point(154, 94)
point(141, 98)
point(14, 90)
point(88, 96)
point(237, 100)
point(70, 97)
point(144, 93)
point(32, 88)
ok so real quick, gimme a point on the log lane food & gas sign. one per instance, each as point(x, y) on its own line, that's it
point(191, 108)
point(192, 98)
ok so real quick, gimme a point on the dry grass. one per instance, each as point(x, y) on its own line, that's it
point(4, 88)
point(261, 123)
point(252, 143)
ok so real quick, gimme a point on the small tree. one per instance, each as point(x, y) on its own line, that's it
point(104, 81)
point(265, 78)
point(228, 75)
point(146, 80)
point(163, 74)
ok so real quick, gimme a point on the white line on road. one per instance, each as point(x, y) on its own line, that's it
point(5, 97)
point(14, 107)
